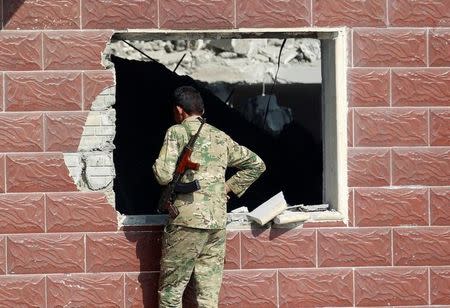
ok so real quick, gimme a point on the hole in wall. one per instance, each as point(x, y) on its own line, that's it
point(292, 154)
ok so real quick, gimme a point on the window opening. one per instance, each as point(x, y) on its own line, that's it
point(235, 77)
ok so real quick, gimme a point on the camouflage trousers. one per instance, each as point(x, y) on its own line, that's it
point(192, 252)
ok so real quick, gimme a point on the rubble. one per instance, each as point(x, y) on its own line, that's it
point(290, 217)
point(285, 216)
point(238, 216)
point(314, 207)
point(310, 49)
point(231, 60)
point(269, 209)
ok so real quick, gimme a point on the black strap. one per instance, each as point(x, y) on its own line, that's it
point(179, 62)
point(274, 82)
point(134, 47)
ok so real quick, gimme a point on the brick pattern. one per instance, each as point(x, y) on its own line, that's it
point(22, 213)
point(391, 207)
point(341, 248)
point(440, 127)
point(1, 91)
point(94, 83)
point(85, 290)
point(2, 174)
point(390, 127)
point(316, 288)
point(430, 246)
point(43, 91)
point(119, 14)
point(419, 13)
point(196, 14)
point(368, 167)
point(291, 13)
point(233, 251)
point(69, 50)
point(21, 133)
point(43, 14)
point(21, 51)
point(389, 47)
point(398, 160)
point(349, 13)
point(37, 173)
point(2, 255)
point(278, 248)
point(393, 286)
point(141, 290)
point(420, 87)
point(439, 206)
point(63, 131)
point(440, 286)
point(72, 212)
point(368, 87)
point(249, 289)
point(439, 47)
point(130, 251)
point(421, 166)
point(50, 253)
point(22, 291)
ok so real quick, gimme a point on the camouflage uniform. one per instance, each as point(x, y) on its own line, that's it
point(194, 242)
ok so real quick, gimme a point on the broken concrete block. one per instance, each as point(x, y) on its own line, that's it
point(289, 217)
point(271, 52)
point(248, 47)
point(262, 58)
point(228, 55)
point(238, 215)
point(310, 48)
point(269, 209)
point(288, 55)
point(224, 44)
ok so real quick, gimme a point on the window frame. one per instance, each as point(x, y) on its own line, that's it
point(334, 48)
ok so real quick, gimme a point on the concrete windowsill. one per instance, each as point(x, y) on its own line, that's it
point(235, 221)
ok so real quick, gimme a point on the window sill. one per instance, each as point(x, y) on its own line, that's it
point(234, 222)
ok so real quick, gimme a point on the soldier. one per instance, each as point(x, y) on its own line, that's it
point(194, 242)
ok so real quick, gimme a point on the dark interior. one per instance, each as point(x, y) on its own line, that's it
point(293, 158)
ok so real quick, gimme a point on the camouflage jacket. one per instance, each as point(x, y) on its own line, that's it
point(214, 151)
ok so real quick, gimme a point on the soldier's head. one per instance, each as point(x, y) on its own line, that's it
point(187, 102)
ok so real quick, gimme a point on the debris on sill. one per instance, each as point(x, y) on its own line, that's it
point(289, 217)
point(238, 216)
point(314, 207)
point(269, 209)
point(277, 212)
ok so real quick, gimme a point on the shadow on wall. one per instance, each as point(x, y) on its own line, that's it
point(9, 8)
point(293, 159)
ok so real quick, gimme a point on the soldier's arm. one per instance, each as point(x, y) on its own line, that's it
point(251, 167)
point(165, 164)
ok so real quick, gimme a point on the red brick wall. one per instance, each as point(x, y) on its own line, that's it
point(396, 250)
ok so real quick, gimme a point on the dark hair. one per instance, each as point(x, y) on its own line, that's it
point(189, 99)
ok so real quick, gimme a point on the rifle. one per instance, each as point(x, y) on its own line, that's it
point(184, 163)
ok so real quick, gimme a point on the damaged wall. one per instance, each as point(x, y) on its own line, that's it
point(60, 245)
point(92, 167)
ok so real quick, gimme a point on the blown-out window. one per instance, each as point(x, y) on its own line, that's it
point(280, 94)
